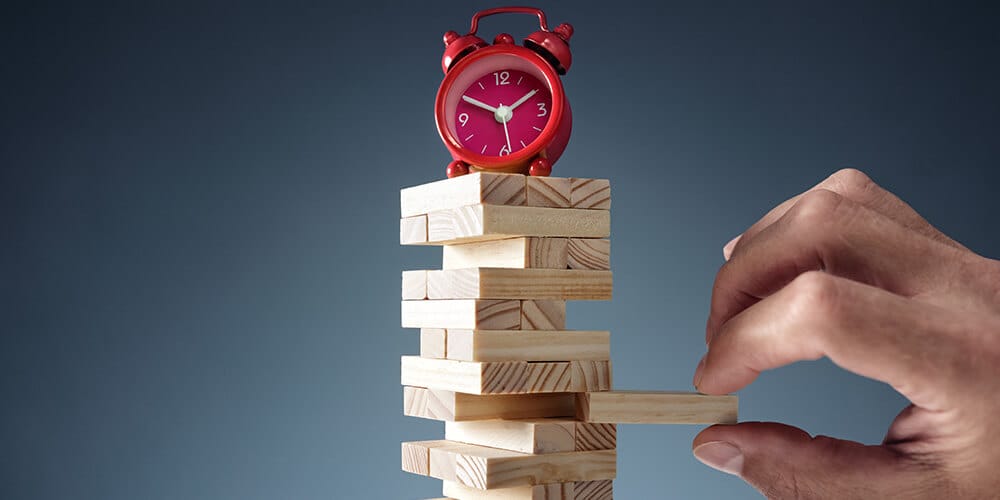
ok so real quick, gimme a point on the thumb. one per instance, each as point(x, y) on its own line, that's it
point(786, 462)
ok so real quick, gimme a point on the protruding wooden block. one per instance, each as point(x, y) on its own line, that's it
point(414, 285)
point(549, 192)
point(541, 315)
point(416, 456)
point(413, 230)
point(471, 189)
point(519, 253)
point(506, 377)
point(550, 435)
point(649, 407)
point(500, 283)
point(493, 222)
point(487, 468)
point(433, 343)
point(464, 314)
point(588, 253)
point(453, 406)
point(591, 376)
point(528, 345)
point(590, 193)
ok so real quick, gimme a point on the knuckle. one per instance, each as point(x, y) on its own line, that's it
point(850, 181)
point(814, 297)
point(816, 208)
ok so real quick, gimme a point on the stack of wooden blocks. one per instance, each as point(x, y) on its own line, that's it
point(527, 404)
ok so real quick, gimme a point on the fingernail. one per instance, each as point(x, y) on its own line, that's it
point(698, 370)
point(727, 251)
point(721, 456)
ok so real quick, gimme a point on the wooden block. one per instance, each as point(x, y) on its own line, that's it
point(551, 491)
point(457, 407)
point(590, 193)
point(595, 436)
point(548, 192)
point(416, 456)
point(591, 376)
point(501, 377)
point(528, 345)
point(518, 253)
point(414, 285)
point(588, 253)
point(433, 343)
point(540, 315)
point(593, 490)
point(463, 314)
point(500, 283)
point(486, 468)
point(471, 189)
point(649, 407)
point(413, 230)
point(525, 436)
point(493, 222)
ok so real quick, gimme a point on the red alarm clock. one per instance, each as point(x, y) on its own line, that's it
point(501, 107)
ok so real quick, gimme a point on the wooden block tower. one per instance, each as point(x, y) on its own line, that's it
point(527, 404)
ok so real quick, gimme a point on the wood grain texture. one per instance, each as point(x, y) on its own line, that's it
point(550, 435)
point(593, 490)
point(588, 253)
point(492, 222)
point(487, 468)
point(416, 456)
point(453, 406)
point(528, 345)
point(414, 285)
point(590, 193)
point(505, 377)
point(590, 376)
point(463, 314)
point(553, 491)
point(517, 253)
point(651, 407)
point(413, 230)
point(471, 189)
point(540, 315)
point(500, 283)
point(433, 343)
point(552, 192)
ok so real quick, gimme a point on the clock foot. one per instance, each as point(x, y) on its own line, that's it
point(457, 168)
point(540, 168)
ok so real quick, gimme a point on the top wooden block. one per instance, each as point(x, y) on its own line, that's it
point(504, 189)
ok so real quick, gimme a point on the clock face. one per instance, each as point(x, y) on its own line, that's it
point(502, 112)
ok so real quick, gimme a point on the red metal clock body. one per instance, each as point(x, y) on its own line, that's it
point(501, 107)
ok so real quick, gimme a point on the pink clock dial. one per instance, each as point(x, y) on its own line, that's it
point(502, 112)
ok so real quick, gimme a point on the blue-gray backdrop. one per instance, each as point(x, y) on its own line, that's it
point(198, 205)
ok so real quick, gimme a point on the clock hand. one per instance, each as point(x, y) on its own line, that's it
point(479, 104)
point(505, 132)
point(522, 99)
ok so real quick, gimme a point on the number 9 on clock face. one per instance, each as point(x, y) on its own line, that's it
point(502, 112)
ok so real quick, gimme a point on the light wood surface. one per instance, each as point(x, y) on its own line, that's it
point(540, 315)
point(518, 253)
point(485, 468)
point(470, 189)
point(528, 345)
point(552, 192)
point(433, 343)
point(436, 404)
point(492, 222)
point(413, 230)
point(535, 435)
point(500, 283)
point(588, 253)
point(652, 407)
point(463, 314)
point(414, 285)
point(506, 377)
point(590, 193)
point(580, 490)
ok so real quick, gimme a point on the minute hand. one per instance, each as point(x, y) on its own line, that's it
point(522, 99)
point(479, 104)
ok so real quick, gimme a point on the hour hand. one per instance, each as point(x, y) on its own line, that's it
point(523, 98)
point(479, 104)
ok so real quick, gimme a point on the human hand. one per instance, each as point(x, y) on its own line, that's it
point(849, 271)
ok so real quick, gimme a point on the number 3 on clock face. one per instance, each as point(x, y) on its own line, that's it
point(505, 97)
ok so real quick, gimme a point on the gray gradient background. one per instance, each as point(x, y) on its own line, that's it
point(198, 206)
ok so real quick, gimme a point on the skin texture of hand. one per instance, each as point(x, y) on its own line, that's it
point(850, 272)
